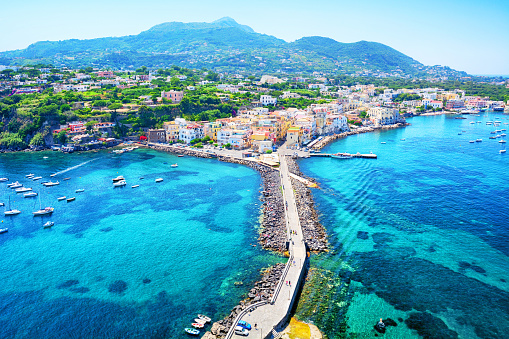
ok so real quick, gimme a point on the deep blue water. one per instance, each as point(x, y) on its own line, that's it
point(422, 231)
point(124, 262)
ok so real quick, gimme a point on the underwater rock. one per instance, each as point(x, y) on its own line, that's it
point(147, 281)
point(68, 284)
point(80, 290)
point(118, 287)
point(362, 235)
point(429, 326)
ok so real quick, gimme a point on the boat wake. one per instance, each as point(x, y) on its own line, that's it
point(73, 167)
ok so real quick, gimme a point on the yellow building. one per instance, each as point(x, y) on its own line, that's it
point(172, 130)
point(294, 135)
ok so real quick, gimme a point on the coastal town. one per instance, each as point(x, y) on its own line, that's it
point(97, 108)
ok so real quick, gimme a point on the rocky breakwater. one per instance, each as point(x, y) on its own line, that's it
point(273, 234)
point(263, 290)
point(313, 231)
point(184, 151)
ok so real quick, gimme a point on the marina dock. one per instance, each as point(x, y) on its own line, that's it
point(356, 155)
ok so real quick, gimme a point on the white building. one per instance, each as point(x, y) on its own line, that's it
point(267, 100)
point(384, 116)
point(190, 132)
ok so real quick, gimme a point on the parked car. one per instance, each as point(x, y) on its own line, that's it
point(239, 330)
point(244, 324)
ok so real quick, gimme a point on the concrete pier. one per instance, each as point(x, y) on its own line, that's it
point(355, 155)
point(272, 316)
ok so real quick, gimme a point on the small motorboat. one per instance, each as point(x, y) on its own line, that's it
point(383, 142)
point(502, 141)
point(4, 230)
point(159, 179)
point(200, 321)
point(502, 151)
point(43, 211)
point(30, 194)
point(36, 178)
point(119, 183)
point(197, 325)
point(23, 189)
point(48, 224)
point(80, 190)
point(61, 198)
point(192, 331)
point(71, 199)
point(15, 185)
point(4, 179)
point(2, 204)
point(134, 186)
point(204, 317)
point(52, 175)
point(119, 178)
point(49, 184)
point(29, 175)
point(478, 140)
point(180, 155)
point(174, 165)
point(66, 178)
point(471, 141)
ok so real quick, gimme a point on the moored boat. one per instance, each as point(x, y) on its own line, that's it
point(119, 183)
point(204, 317)
point(12, 212)
point(502, 151)
point(478, 140)
point(80, 190)
point(50, 183)
point(30, 194)
point(119, 178)
point(192, 331)
point(4, 230)
point(502, 141)
point(134, 186)
point(71, 199)
point(15, 185)
point(29, 175)
point(61, 198)
point(4, 179)
point(174, 165)
point(36, 178)
point(22, 189)
point(180, 155)
point(159, 179)
point(43, 211)
point(48, 224)
point(198, 325)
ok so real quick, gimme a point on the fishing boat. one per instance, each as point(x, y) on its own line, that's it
point(48, 224)
point(50, 183)
point(80, 190)
point(30, 194)
point(120, 183)
point(204, 317)
point(4, 230)
point(11, 211)
point(61, 198)
point(4, 179)
point(192, 331)
point(174, 165)
point(71, 199)
point(22, 189)
point(198, 325)
point(36, 178)
point(134, 186)
point(159, 179)
point(119, 178)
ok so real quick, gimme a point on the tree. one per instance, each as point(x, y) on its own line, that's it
point(37, 140)
point(228, 145)
point(115, 106)
point(61, 136)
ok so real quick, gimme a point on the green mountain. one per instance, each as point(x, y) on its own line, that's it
point(223, 45)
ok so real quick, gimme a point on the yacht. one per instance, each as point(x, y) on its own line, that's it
point(4, 179)
point(119, 178)
point(11, 211)
point(43, 211)
point(80, 190)
point(29, 195)
point(61, 198)
point(23, 189)
point(49, 184)
point(15, 185)
point(36, 178)
point(120, 183)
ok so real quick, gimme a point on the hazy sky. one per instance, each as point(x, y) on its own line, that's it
point(467, 35)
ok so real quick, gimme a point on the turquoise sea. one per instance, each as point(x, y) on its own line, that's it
point(124, 262)
point(419, 235)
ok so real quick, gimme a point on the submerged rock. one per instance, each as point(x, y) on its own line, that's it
point(118, 287)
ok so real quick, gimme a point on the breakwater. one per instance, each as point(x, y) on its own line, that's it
point(330, 138)
point(313, 231)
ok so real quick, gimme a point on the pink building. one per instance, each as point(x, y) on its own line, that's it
point(105, 74)
point(174, 96)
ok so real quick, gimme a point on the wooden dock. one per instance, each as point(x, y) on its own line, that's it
point(355, 155)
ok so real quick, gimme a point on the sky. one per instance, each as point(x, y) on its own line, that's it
point(467, 35)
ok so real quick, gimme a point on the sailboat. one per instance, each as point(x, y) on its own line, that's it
point(43, 211)
point(11, 211)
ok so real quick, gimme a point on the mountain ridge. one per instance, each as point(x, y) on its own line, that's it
point(223, 44)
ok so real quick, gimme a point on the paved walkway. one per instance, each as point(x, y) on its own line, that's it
point(268, 316)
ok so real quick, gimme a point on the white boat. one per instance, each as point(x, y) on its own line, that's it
point(200, 321)
point(29, 195)
point(502, 151)
point(472, 122)
point(159, 179)
point(4, 179)
point(61, 198)
point(383, 142)
point(119, 178)
point(341, 156)
point(134, 186)
point(80, 190)
point(502, 141)
point(15, 185)
point(174, 165)
point(36, 178)
point(120, 183)
point(11, 211)
point(471, 141)
point(43, 211)
point(48, 224)
point(23, 189)
point(204, 317)
point(3, 230)
point(29, 175)
point(478, 140)
point(49, 184)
